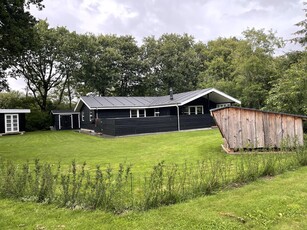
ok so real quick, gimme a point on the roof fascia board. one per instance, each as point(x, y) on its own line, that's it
point(81, 100)
point(65, 113)
point(15, 111)
point(137, 107)
point(210, 91)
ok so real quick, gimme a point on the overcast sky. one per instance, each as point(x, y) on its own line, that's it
point(204, 19)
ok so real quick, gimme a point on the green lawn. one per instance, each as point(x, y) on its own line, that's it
point(269, 203)
point(143, 152)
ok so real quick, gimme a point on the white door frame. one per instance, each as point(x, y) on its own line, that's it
point(12, 123)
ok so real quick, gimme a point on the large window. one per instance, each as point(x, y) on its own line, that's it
point(193, 110)
point(137, 112)
point(11, 123)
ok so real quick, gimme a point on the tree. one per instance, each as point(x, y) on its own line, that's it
point(302, 33)
point(218, 65)
point(16, 32)
point(42, 66)
point(289, 92)
point(243, 68)
point(172, 61)
point(98, 65)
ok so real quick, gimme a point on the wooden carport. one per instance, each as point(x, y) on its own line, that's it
point(244, 128)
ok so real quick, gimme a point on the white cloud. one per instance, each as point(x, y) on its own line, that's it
point(203, 19)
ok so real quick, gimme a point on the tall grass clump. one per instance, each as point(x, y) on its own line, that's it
point(117, 190)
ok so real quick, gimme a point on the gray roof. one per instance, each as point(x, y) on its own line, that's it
point(70, 111)
point(95, 102)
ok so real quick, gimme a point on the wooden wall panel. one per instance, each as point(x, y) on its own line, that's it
point(259, 130)
point(278, 130)
point(248, 128)
point(299, 135)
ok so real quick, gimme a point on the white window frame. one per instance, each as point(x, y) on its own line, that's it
point(91, 115)
point(137, 113)
point(156, 112)
point(12, 123)
point(222, 105)
point(82, 116)
point(195, 107)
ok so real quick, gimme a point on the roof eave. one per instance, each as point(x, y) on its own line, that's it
point(210, 91)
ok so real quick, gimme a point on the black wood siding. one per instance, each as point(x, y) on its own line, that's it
point(22, 122)
point(55, 119)
point(2, 127)
point(75, 118)
point(196, 121)
point(87, 124)
point(127, 126)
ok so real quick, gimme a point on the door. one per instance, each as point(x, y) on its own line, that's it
point(11, 123)
point(65, 122)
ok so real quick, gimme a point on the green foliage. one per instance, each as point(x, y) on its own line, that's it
point(302, 33)
point(38, 120)
point(16, 33)
point(172, 61)
point(117, 192)
point(289, 93)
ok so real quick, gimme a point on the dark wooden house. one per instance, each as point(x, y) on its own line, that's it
point(118, 116)
point(13, 120)
point(65, 119)
point(244, 128)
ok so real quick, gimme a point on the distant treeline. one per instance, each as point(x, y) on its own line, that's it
point(64, 64)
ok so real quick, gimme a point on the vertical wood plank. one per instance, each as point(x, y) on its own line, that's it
point(272, 128)
point(291, 130)
point(266, 129)
point(299, 135)
point(279, 131)
point(259, 130)
point(239, 128)
point(233, 131)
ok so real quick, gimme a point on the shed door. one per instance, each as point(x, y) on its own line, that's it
point(65, 121)
point(11, 123)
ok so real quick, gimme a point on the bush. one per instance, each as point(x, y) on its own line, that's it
point(38, 120)
point(117, 190)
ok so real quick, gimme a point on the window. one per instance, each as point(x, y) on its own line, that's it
point(137, 112)
point(222, 105)
point(82, 115)
point(11, 123)
point(91, 115)
point(156, 112)
point(193, 110)
point(142, 113)
point(133, 113)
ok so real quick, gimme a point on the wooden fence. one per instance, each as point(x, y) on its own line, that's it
point(244, 128)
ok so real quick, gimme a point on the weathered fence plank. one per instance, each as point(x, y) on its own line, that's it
point(244, 128)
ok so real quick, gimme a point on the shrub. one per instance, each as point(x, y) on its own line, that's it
point(117, 190)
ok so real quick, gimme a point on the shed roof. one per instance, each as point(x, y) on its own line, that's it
point(63, 111)
point(304, 117)
point(15, 111)
point(179, 99)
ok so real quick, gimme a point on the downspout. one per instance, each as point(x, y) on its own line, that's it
point(178, 119)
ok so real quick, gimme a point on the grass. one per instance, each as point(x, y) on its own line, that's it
point(141, 151)
point(268, 203)
point(278, 202)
